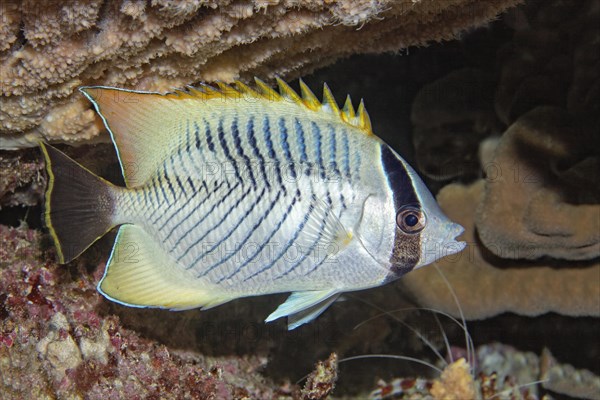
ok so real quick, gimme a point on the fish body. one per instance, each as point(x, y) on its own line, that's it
point(236, 192)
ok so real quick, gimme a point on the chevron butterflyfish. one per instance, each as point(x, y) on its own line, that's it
point(233, 191)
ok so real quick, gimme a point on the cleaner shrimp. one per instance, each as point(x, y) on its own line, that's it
point(459, 376)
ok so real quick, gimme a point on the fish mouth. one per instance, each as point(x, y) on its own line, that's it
point(447, 245)
point(454, 246)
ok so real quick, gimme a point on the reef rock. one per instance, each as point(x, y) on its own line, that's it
point(58, 347)
point(48, 49)
point(22, 181)
point(566, 379)
point(57, 340)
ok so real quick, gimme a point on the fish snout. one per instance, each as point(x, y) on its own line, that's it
point(454, 246)
point(441, 245)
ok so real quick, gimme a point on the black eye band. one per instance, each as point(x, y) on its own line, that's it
point(398, 178)
point(410, 219)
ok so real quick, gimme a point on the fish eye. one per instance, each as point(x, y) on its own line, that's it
point(411, 219)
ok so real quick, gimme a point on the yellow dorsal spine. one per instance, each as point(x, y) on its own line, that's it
point(287, 91)
point(228, 91)
point(348, 114)
point(329, 103)
point(266, 91)
point(245, 89)
point(210, 92)
point(306, 98)
point(194, 92)
point(364, 122)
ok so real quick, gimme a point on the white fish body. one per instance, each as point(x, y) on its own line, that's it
point(233, 193)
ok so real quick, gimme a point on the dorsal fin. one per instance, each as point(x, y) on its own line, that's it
point(136, 122)
point(358, 119)
point(266, 91)
point(329, 103)
point(364, 122)
point(245, 89)
point(308, 97)
point(140, 123)
point(228, 91)
point(348, 114)
point(287, 91)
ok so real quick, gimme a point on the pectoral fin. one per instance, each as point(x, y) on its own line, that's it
point(140, 274)
point(303, 307)
point(323, 227)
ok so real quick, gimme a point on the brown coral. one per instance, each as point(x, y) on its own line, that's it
point(539, 202)
point(49, 49)
point(542, 183)
point(542, 199)
point(486, 285)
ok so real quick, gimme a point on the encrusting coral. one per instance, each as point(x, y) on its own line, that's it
point(321, 382)
point(551, 60)
point(541, 193)
point(22, 181)
point(58, 341)
point(456, 381)
point(50, 48)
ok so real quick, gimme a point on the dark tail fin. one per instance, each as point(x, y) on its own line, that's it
point(79, 204)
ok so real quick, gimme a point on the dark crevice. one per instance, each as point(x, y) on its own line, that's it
point(21, 39)
point(16, 216)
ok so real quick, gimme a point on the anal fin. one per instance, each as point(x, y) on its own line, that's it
point(140, 274)
point(303, 307)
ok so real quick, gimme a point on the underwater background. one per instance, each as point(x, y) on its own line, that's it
point(503, 124)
